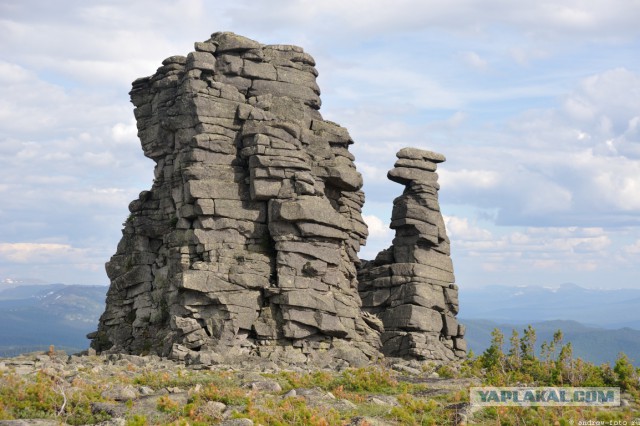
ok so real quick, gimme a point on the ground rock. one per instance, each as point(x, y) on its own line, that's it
point(120, 393)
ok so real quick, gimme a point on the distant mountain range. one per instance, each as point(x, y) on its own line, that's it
point(523, 305)
point(36, 316)
point(599, 323)
point(592, 344)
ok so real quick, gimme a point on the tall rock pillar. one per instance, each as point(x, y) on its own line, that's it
point(411, 286)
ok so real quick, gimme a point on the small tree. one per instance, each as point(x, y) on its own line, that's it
point(557, 339)
point(514, 351)
point(563, 371)
point(548, 350)
point(626, 375)
point(527, 343)
point(547, 363)
point(588, 374)
point(493, 358)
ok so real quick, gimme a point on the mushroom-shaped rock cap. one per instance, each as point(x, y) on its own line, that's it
point(420, 154)
point(415, 165)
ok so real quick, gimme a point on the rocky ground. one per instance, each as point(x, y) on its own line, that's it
point(56, 389)
point(131, 390)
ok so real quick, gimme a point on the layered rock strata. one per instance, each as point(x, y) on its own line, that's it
point(248, 239)
point(247, 242)
point(410, 286)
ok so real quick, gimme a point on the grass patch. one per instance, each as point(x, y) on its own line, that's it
point(182, 378)
point(291, 411)
point(45, 397)
point(361, 380)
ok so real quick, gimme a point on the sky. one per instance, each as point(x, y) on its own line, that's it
point(536, 106)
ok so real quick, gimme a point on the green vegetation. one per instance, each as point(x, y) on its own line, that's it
point(593, 344)
point(180, 396)
point(182, 377)
point(44, 396)
point(555, 366)
point(362, 380)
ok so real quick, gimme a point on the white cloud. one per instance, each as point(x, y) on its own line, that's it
point(558, 166)
point(12, 73)
point(579, 109)
point(39, 252)
point(563, 18)
point(530, 249)
point(380, 236)
point(377, 228)
point(519, 140)
point(67, 161)
point(371, 173)
point(610, 98)
point(125, 133)
point(475, 61)
point(464, 178)
point(96, 197)
point(620, 188)
point(545, 198)
point(410, 87)
point(632, 249)
point(459, 228)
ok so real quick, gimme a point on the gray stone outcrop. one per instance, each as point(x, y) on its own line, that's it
point(247, 242)
point(410, 286)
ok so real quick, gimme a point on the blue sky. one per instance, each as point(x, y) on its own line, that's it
point(536, 106)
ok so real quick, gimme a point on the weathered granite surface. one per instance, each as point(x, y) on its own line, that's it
point(410, 286)
point(247, 241)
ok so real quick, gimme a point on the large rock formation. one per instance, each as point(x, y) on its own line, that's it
point(247, 242)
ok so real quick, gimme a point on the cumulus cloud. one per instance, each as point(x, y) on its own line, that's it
point(39, 252)
point(380, 236)
point(485, 179)
point(68, 160)
point(531, 142)
point(106, 42)
point(377, 228)
point(595, 18)
point(410, 86)
point(371, 173)
point(530, 249)
point(560, 165)
point(460, 229)
point(51, 262)
point(125, 132)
